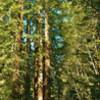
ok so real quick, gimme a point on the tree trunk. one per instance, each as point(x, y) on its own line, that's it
point(38, 82)
point(16, 75)
point(46, 71)
point(42, 61)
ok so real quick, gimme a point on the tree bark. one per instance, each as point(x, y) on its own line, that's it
point(38, 82)
point(16, 74)
point(42, 60)
point(46, 71)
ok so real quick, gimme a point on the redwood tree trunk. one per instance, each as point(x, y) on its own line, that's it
point(42, 60)
point(38, 82)
point(46, 72)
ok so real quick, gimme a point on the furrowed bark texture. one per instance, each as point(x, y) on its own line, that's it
point(38, 88)
point(42, 62)
point(46, 71)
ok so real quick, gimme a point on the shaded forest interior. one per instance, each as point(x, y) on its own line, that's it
point(49, 49)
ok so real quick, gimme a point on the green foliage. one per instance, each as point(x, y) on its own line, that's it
point(74, 29)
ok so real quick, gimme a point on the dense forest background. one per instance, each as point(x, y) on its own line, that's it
point(49, 49)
